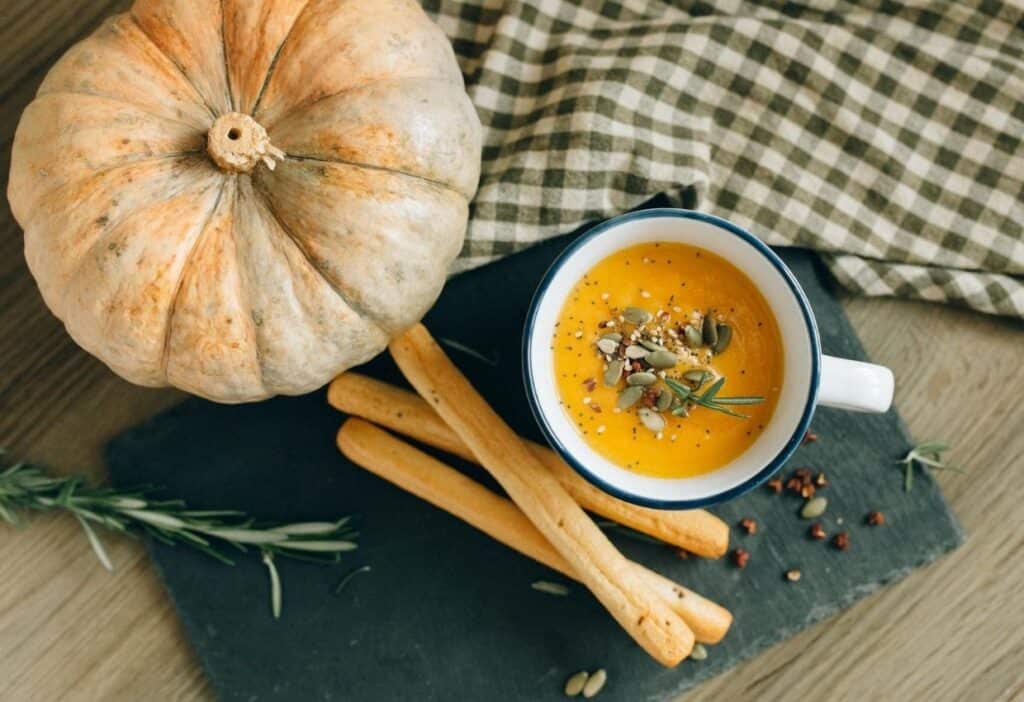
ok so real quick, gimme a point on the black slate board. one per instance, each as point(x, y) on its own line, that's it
point(447, 614)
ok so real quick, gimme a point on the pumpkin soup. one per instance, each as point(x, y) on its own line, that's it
point(668, 360)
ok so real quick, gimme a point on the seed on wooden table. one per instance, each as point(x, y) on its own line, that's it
point(661, 359)
point(792, 575)
point(595, 683)
point(636, 315)
point(574, 685)
point(642, 378)
point(607, 345)
point(814, 508)
point(635, 352)
point(699, 652)
point(613, 373)
point(651, 419)
point(629, 397)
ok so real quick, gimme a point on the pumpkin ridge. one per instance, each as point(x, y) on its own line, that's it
point(243, 291)
point(385, 169)
point(376, 81)
point(351, 304)
point(195, 88)
point(169, 325)
point(82, 93)
point(273, 61)
point(224, 53)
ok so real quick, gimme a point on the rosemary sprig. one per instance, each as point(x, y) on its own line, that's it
point(928, 454)
point(26, 488)
point(710, 399)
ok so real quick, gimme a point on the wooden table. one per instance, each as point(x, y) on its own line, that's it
point(69, 630)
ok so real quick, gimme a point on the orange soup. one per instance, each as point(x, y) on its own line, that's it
point(668, 360)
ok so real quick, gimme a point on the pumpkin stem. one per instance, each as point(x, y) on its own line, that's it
point(237, 142)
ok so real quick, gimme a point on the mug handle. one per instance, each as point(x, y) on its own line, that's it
point(855, 385)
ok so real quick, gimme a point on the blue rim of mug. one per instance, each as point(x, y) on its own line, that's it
point(812, 333)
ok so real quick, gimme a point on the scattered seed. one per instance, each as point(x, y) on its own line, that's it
point(699, 652)
point(629, 397)
point(605, 296)
point(612, 373)
point(662, 359)
point(724, 334)
point(595, 683)
point(601, 429)
point(642, 378)
point(636, 315)
point(807, 491)
point(792, 575)
point(875, 518)
point(810, 437)
point(692, 336)
point(651, 419)
point(612, 336)
point(814, 508)
point(709, 330)
point(794, 485)
point(664, 400)
point(578, 335)
point(740, 557)
point(574, 685)
point(803, 475)
point(645, 295)
point(817, 532)
point(650, 345)
point(748, 525)
point(775, 485)
point(820, 480)
point(607, 345)
point(590, 384)
point(586, 400)
point(635, 352)
point(841, 541)
point(550, 588)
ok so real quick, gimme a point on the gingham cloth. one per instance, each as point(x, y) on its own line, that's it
point(886, 135)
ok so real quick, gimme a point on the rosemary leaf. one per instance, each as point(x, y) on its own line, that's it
point(97, 545)
point(275, 584)
point(351, 574)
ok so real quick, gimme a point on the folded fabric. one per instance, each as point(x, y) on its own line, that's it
point(885, 135)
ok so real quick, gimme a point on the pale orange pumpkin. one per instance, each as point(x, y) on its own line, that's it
point(243, 198)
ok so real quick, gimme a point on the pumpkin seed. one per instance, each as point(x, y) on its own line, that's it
point(634, 351)
point(698, 653)
point(709, 330)
point(664, 400)
point(696, 376)
point(724, 337)
point(651, 419)
point(614, 336)
point(574, 685)
point(629, 397)
point(814, 508)
point(613, 373)
point(642, 378)
point(595, 683)
point(693, 336)
point(651, 346)
point(607, 345)
point(661, 359)
point(636, 315)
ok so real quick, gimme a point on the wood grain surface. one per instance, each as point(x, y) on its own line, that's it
point(71, 631)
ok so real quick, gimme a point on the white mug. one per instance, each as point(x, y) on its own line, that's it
point(810, 378)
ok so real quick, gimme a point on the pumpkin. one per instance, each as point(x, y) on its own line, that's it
point(243, 198)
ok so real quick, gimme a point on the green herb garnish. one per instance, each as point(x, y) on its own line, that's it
point(26, 487)
point(709, 398)
point(927, 454)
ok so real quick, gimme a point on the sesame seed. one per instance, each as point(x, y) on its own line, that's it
point(578, 335)
point(600, 429)
point(605, 296)
point(586, 400)
point(644, 294)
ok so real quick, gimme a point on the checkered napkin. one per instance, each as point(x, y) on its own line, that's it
point(886, 135)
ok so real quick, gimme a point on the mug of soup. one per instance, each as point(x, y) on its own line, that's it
point(673, 360)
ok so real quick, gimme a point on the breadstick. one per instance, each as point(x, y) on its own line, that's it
point(697, 531)
point(608, 575)
point(424, 476)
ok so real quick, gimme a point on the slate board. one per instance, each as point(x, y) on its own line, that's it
point(446, 613)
